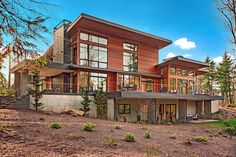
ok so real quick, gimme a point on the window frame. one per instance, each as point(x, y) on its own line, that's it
point(125, 109)
point(131, 55)
point(87, 59)
point(90, 36)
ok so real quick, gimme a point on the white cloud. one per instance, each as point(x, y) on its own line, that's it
point(187, 55)
point(170, 55)
point(183, 43)
point(219, 59)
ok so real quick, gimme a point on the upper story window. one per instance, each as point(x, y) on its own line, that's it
point(130, 62)
point(191, 73)
point(130, 47)
point(92, 38)
point(128, 82)
point(172, 70)
point(93, 56)
point(182, 72)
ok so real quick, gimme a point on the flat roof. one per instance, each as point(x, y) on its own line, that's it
point(116, 25)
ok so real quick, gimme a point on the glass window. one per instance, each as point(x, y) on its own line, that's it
point(102, 41)
point(172, 70)
point(93, 38)
point(191, 73)
point(184, 72)
point(93, 81)
point(128, 82)
point(94, 56)
point(179, 71)
point(74, 56)
point(173, 85)
point(147, 85)
point(191, 87)
point(83, 36)
point(130, 47)
point(182, 86)
point(124, 108)
point(130, 62)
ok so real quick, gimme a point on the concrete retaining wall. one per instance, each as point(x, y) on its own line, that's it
point(59, 103)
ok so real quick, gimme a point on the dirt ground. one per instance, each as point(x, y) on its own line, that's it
point(29, 134)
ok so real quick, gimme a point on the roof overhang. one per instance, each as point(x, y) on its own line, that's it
point(185, 62)
point(153, 95)
point(107, 27)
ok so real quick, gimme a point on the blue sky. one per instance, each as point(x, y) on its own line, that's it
point(195, 24)
point(196, 20)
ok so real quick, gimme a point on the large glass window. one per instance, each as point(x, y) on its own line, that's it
point(184, 72)
point(191, 73)
point(128, 82)
point(92, 38)
point(130, 47)
point(173, 85)
point(182, 86)
point(130, 62)
point(147, 85)
point(92, 81)
point(93, 56)
point(191, 87)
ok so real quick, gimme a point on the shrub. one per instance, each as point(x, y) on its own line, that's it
point(111, 142)
point(227, 123)
point(129, 137)
point(148, 134)
point(231, 130)
point(55, 126)
point(88, 126)
point(117, 126)
point(200, 139)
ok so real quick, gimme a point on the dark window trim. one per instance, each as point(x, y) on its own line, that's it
point(124, 109)
point(93, 34)
point(127, 65)
point(88, 60)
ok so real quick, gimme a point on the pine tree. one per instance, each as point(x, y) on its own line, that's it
point(36, 92)
point(209, 77)
point(101, 102)
point(225, 76)
point(86, 102)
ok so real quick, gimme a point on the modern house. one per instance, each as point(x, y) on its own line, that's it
point(90, 52)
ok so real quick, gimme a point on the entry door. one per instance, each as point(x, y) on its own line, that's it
point(170, 112)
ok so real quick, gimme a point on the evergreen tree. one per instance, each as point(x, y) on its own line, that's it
point(86, 102)
point(209, 77)
point(101, 102)
point(225, 76)
point(36, 92)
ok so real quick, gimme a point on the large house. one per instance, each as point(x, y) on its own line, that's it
point(91, 52)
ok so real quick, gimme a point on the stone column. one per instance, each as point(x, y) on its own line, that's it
point(182, 110)
point(207, 108)
point(152, 111)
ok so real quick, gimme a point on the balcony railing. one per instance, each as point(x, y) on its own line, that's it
point(70, 88)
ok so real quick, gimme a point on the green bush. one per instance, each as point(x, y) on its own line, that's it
point(129, 137)
point(89, 126)
point(55, 126)
point(200, 139)
point(148, 134)
point(117, 126)
point(111, 142)
point(227, 123)
point(231, 130)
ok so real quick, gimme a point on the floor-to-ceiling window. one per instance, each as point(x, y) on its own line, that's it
point(128, 82)
point(92, 81)
point(147, 85)
point(93, 55)
point(130, 58)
